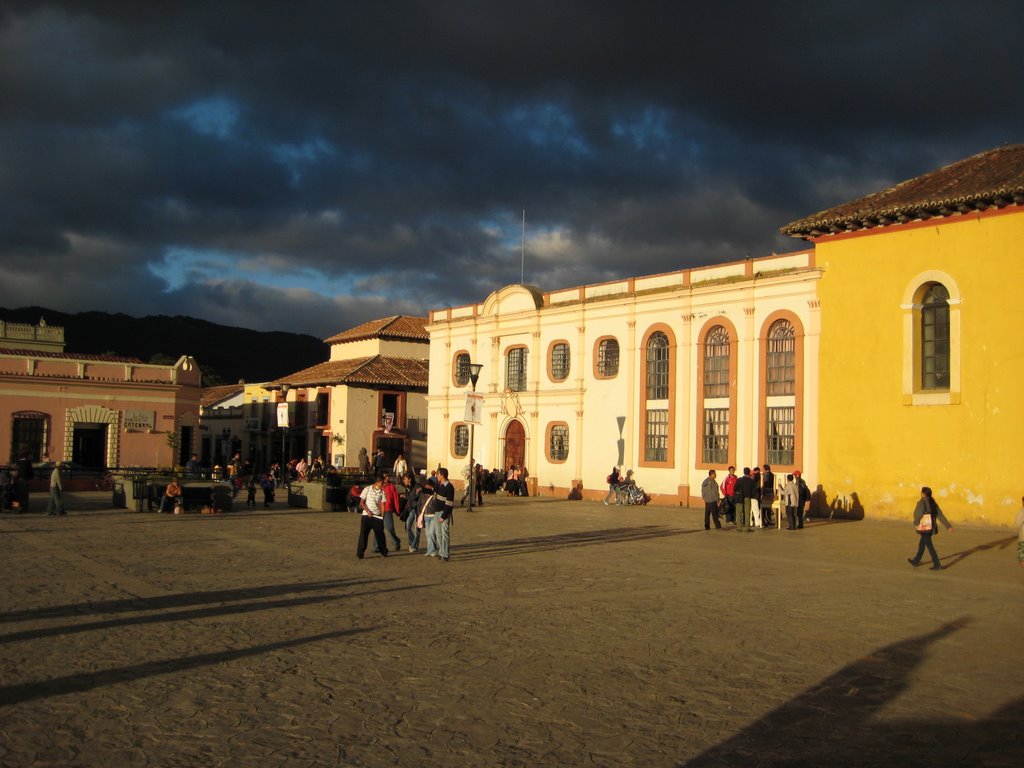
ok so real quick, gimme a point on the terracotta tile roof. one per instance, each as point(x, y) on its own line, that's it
point(991, 179)
point(377, 370)
point(71, 356)
point(403, 327)
point(213, 395)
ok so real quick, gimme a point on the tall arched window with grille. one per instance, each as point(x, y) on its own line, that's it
point(716, 363)
point(781, 362)
point(657, 366)
point(780, 414)
point(657, 404)
point(715, 404)
point(935, 338)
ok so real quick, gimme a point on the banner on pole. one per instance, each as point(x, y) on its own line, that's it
point(474, 408)
point(282, 415)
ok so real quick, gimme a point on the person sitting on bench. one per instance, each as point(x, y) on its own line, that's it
point(172, 495)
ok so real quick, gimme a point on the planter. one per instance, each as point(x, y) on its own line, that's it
point(317, 496)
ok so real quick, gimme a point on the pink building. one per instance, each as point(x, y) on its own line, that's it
point(92, 410)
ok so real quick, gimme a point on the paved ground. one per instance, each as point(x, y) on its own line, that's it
point(560, 634)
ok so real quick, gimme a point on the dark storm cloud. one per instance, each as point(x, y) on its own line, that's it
point(307, 166)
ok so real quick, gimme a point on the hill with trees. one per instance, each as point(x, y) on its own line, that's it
point(225, 354)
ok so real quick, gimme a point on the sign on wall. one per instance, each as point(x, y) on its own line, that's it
point(139, 419)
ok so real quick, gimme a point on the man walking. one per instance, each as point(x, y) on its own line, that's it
point(56, 504)
point(371, 501)
point(709, 492)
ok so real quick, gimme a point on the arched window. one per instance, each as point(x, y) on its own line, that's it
point(657, 366)
point(559, 361)
point(657, 406)
point(558, 441)
point(462, 369)
point(607, 358)
point(460, 440)
point(781, 358)
point(715, 409)
point(515, 369)
point(716, 363)
point(935, 338)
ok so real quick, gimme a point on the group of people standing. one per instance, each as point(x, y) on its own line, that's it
point(427, 509)
point(747, 500)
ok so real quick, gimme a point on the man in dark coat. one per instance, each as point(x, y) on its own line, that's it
point(745, 490)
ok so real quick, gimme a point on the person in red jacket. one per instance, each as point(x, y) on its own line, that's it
point(392, 507)
point(728, 495)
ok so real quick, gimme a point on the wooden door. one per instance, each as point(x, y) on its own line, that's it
point(515, 444)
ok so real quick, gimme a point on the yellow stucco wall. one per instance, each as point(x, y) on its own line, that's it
point(874, 440)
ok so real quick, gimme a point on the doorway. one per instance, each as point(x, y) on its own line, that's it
point(185, 446)
point(515, 444)
point(89, 445)
point(392, 446)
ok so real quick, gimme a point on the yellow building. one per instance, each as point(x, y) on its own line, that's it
point(369, 396)
point(921, 370)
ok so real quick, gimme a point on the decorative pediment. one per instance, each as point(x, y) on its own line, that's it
point(512, 299)
point(92, 414)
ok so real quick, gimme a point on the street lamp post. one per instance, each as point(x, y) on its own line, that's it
point(474, 376)
point(284, 432)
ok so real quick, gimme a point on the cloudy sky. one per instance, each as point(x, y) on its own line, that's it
point(306, 166)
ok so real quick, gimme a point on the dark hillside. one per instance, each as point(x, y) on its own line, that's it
point(228, 353)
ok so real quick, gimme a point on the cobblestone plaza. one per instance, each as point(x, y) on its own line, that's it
point(560, 633)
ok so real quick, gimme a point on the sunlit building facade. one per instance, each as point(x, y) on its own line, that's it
point(881, 358)
point(668, 375)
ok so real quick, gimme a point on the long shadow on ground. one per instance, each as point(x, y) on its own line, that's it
point(87, 681)
point(571, 540)
point(179, 600)
point(843, 721)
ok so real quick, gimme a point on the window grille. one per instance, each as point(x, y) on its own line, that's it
point(515, 369)
point(560, 362)
point(28, 434)
point(657, 366)
point(461, 440)
point(716, 363)
point(656, 434)
point(716, 436)
point(608, 358)
point(780, 442)
point(935, 338)
point(558, 446)
point(781, 370)
point(462, 370)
